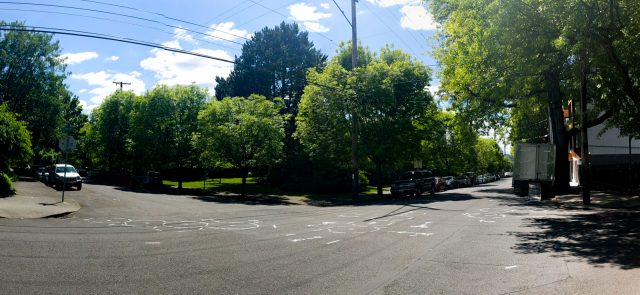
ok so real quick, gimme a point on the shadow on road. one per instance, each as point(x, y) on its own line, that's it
point(611, 237)
point(247, 200)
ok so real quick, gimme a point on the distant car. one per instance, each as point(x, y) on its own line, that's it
point(58, 173)
point(473, 177)
point(480, 179)
point(450, 182)
point(508, 174)
point(462, 181)
point(42, 174)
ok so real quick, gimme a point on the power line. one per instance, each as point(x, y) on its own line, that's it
point(112, 20)
point(110, 38)
point(388, 27)
point(341, 11)
point(164, 16)
point(285, 16)
point(118, 14)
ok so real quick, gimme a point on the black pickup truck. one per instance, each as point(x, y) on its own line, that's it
point(414, 183)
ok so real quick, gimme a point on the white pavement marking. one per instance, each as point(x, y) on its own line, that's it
point(333, 242)
point(510, 267)
point(305, 239)
point(152, 243)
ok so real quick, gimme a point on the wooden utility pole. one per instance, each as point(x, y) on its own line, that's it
point(121, 83)
point(354, 112)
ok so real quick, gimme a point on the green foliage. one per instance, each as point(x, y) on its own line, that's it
point(490, 158)
point(273, 64)
point(450, 147)
point(32, 84)
point(15, 140)
point(244, 132)
point(388, 95)
point(6, 189)
point(107, 139)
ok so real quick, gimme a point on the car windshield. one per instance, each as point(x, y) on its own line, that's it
point(407, 176)
point(70, 169)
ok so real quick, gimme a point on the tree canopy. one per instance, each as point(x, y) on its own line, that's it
point(32, 85)
point(245, 133)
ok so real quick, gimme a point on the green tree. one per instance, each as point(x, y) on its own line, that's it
point(388, 94)
point(15, 141)
point(106, 137)
point(499, 54)
point(245, 133)
point(32, 84)
point(274, 63)
point(15, 147)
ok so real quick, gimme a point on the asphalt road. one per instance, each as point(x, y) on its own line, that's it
point(480, 240)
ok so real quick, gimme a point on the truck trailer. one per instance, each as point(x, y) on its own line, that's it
point(534, 163)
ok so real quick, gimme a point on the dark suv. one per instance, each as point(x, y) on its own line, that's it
point(414, 183)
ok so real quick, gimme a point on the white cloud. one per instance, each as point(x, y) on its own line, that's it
point(76, 58)
point(112, 58)
point(172, 68)
point(105, 86)
point(315, 27)
point(81, 91)
point(389, 3)
point(172, 44)
point(325, 5)
point(303, 12)
point(226, 31)
point(417, 18)
point(309, 16)
point(182, 35)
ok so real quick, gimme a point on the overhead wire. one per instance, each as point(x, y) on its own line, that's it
point(164, 16)
point(112, 20)
point(388, 27)
point(118, 14)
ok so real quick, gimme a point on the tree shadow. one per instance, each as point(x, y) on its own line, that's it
point(247, 200)
point(603, 237)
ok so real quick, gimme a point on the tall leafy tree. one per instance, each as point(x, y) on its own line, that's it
point(274, 63)
point(106, 137)
point(388, 94)
point(32, 84)
point(15, 141)
point(245, 133)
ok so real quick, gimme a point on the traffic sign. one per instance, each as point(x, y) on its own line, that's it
point(67, 144)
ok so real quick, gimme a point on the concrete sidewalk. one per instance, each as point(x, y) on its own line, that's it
point(32, 201)
point(600, 199)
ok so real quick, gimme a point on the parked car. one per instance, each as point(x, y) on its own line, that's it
point(462, 181)
point(42, 174)
point(473, 177)
point(58, 173)
point(406, 185)
point(479, 179)
point(450, 182)
point(508, 174)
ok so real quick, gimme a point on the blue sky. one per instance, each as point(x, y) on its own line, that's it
point(224, 25)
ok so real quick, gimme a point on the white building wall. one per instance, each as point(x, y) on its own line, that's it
point(610, 142)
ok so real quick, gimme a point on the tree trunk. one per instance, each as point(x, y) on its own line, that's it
point(378, 163)
point(559, 133)
point(243, 187)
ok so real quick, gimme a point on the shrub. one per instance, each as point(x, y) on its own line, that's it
point(6, 189)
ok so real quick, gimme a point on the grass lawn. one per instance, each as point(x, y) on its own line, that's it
point(232, 185)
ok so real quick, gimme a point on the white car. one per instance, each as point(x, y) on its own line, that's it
point(57, 176)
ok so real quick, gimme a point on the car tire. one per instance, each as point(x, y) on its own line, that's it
point(79, 186)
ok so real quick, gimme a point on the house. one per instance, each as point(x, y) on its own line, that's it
point(614, 159)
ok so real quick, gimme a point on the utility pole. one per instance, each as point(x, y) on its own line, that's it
point(121, 83)
point(354, 113)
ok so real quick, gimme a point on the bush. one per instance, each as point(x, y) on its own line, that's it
point(6, 189)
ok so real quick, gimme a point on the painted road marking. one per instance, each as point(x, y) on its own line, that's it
point(333, 242)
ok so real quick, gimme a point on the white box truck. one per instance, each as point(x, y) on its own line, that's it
point(533, 163)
